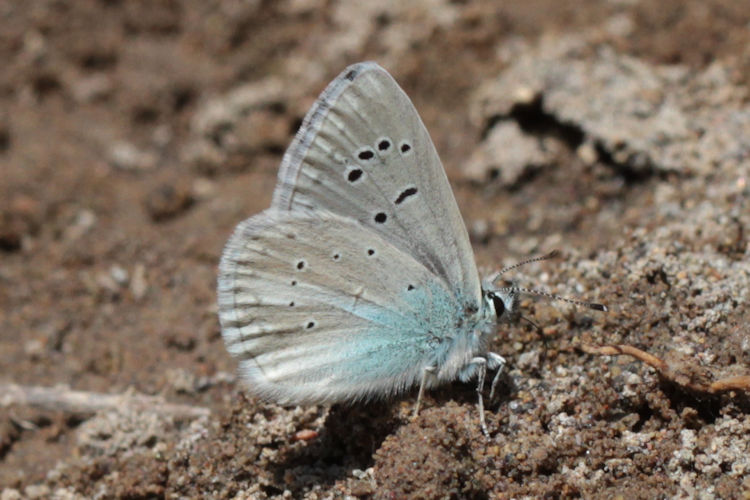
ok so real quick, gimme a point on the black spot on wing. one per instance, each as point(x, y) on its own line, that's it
point(366, 154)
point(354, 175)
point(411, 191)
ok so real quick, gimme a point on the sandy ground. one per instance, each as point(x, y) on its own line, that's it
point(134, 135)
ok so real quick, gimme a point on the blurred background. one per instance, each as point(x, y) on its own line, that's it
point(134, 136)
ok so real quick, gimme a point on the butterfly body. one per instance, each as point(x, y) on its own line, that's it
point(359, 281)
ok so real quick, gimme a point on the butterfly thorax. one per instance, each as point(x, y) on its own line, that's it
point(476, 325)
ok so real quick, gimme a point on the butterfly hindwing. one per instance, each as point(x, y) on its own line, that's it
point(321, 309)
point(364, 153)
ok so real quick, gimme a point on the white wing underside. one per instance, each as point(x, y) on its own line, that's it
point(358, 111)
point(320, 309)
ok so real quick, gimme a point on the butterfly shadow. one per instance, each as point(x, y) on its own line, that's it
point(349, 438)
point(353, 433)
point(465, 393)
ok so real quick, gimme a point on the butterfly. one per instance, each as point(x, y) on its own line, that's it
point(359, 281)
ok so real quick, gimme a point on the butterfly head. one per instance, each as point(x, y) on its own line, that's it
point(502, 303)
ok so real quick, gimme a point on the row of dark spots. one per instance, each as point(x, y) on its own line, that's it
point(300, 266)
point(368, 154)
point(310, 324)
point(371, 252)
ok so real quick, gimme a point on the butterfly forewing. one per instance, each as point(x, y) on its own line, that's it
point(321, 309)
point(364, 153)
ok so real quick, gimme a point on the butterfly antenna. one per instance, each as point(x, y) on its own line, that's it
point(536, 327)
point(551, 255)
point(590, 305)
point(539, 332)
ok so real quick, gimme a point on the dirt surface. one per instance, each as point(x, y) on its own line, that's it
point(134, 136)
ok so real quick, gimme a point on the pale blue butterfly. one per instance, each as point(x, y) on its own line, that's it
point(359, 281)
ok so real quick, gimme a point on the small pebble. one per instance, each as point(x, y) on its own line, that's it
point(126, 156)
point(305, 435)
point(166, 201)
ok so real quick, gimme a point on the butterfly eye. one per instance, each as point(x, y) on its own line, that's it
point(498, 303)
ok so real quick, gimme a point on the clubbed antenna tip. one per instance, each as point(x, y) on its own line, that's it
point(590, 305)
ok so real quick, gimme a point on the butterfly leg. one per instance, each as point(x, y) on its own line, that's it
point(495, 362)
point(428, 370)
point(481, 364)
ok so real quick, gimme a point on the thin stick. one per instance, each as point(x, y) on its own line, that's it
point(737, 383)
point(64, 399)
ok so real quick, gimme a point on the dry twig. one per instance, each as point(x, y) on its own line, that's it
point(62, 398)
point(739, 383)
